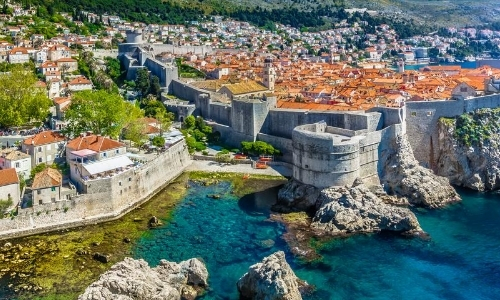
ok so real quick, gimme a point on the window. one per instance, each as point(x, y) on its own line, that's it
point(53, 199)
point(40, 201)
point(40, 159)
point(463, 89)
point(130, 179)
point(119, 183)
point(17, 165)
point(53, 189)
point(117, 151)
point(413, 113)
point(38, 192)
point(429, 113)
point(104, 154)
point(39, 149)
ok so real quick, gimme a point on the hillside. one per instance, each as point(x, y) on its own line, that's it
point(439, 12)
point(298, 13)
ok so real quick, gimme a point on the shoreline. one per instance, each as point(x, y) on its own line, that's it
point(278, 169)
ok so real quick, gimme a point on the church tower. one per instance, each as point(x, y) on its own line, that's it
point(269, 76)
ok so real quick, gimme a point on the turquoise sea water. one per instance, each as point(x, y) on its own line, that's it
point(461, 260)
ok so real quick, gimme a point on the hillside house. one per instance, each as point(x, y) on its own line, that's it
point(44, 147)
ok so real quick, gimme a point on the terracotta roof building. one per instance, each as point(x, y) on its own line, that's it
point(47, 186)
point(9, 185)
point(44, 147)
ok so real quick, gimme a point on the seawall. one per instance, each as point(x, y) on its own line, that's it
point(107, 199)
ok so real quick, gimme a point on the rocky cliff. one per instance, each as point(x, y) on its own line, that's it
point(402, 176)
point(469, 150)
point(356, 209)
point(134, 279)
point(271, 279)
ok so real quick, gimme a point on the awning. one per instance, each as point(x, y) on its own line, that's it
point(108, 164)
point(83, 152)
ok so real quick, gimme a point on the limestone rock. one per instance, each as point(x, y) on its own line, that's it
point(475, 167)
point(134, 279)
point(296, 196)
point(355, 210)
point(271, 279)
point(404, 177)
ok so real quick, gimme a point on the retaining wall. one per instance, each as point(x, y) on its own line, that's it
point(108, 199)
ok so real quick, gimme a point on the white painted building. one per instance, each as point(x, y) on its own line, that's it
point(21, 162)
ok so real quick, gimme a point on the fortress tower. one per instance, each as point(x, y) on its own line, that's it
point(269, 76)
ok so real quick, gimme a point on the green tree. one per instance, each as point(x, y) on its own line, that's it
point(100, 112)
point(142, 81)
point(189, 122)
point(155, 88)
point(113, 67)
point(21, 99)
point(136, 131)
point(158, 141)
point(4, 205)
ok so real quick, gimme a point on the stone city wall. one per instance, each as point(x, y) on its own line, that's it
point(422, 118)
point(108, 198)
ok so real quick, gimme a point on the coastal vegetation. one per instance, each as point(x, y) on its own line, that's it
point(475, 128)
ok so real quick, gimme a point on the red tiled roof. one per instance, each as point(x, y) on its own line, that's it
point(93, 142)
point(8, 176)
point(43, 138)
point(47, 178)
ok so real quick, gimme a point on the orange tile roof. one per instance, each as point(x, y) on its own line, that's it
point(93, 142)
point(43, 138)
point(8, 176)
point(47, 178)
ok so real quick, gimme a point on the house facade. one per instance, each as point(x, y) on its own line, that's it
point(44, 147)
point(46, 187)
point(9, 185)
point(21, 162)
point(93, 156)
point(18, 56)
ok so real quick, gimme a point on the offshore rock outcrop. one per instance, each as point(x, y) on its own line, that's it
point(134, 279)
point(356, 209)
point(404, 177)
point(475, 166)
point(271, 279)
point(296, 196)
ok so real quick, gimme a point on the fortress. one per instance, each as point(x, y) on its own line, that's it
point(136, 54)
point(326, 148)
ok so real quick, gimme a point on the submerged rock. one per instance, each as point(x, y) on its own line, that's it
point(404, 177)
point(134, 279)
point(271, 279)
point(356, 210)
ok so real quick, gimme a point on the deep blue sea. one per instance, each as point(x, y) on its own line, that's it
point(461, 260)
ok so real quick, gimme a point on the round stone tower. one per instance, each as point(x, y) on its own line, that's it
point(134, 36)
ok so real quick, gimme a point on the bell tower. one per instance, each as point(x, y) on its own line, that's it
point(269, 76)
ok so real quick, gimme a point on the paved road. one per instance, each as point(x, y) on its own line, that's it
point(9, 140)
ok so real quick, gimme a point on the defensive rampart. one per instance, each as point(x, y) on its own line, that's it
point(422, 118)
point(106, 199)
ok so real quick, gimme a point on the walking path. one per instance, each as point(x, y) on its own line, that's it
point(211, 166)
